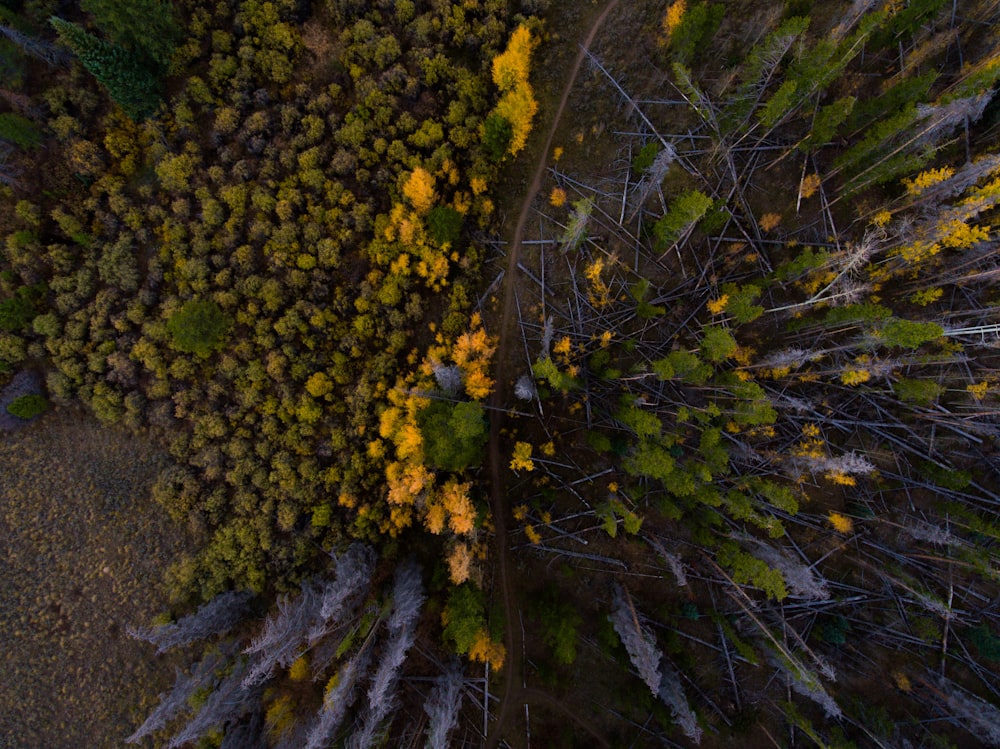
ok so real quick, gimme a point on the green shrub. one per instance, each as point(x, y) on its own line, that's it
point(28, 406)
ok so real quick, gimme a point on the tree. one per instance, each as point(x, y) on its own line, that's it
point(146, 27)
point(640, 644)
point(19, 130)
point(213, 618)
point(127, 79)
point(517, 105)
point(454, 434)
point(199, 327)
point(443, 705)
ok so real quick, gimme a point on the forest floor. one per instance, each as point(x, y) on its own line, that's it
point(82, 557)
point(515, 690)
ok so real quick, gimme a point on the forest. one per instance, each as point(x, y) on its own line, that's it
point(473, 373)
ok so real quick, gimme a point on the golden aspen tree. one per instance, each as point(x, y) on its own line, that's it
point(472, 353)
point(517, 105)
point(512, 66)
point(485, 650)
point(521, 459)
point(419, 189)
point(454, 497)
point(840, 523)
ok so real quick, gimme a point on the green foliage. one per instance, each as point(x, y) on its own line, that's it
point(718, 344)
point(546, 369)
point(12, 64)
point(19, 130)
point(464, 616)
point(454, 434)
point(444, 224)
point(609, 513)
point(560, 624)
point(908, 333)
point(146, 27)
point(644, 423)
point(908, 20)
point(740, 305)
point(698, 25)
point(645, 157)
point(834, 630)
point(688, 367)
point(28, 406)
point(685, 211)
point(645, 310)
point(17, 312)
point(199, 327)
point(747, 569)
point(779, 104)
point(947, 478)
point(498, 133)
point(863, 312)
point(828, 120)
point(912, 88)
point(918, 392)
point(805, 261)
point(127, 79)
point(987, 643)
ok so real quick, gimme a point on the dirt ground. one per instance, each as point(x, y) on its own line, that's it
point(81, 557)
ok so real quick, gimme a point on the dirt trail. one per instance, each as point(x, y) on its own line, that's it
point(514, 686)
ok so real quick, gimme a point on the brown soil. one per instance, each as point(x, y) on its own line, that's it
point(82, 558)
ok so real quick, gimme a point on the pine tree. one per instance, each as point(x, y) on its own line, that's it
point(130, 84)
point(146, 27)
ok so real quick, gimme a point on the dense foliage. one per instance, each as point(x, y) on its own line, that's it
point(753, 419)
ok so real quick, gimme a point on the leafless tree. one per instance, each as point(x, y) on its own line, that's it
point(284, 632)
point(176, 700)
point(443, 705)
point(337, 702)
point(673, 697)
point(408, 596)
point(353, 574)
point(212, 618)
point(639, 642)
point(36, 47)
point(230, 700)
point(979, 717)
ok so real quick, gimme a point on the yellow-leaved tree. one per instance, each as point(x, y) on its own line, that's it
point(517, 105)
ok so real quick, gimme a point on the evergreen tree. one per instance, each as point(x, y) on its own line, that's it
point(128, 81)
point(145, 27)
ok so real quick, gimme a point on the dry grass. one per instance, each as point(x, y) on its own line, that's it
point(83, 552)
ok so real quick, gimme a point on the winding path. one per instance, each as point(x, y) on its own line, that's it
point(513, 686)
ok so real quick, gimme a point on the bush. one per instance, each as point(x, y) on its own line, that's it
point(28, 406)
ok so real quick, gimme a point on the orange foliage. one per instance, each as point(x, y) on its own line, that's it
point(484, 650)
point(459, 563)
point(462, 513)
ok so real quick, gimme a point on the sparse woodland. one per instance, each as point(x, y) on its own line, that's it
point(747, 449)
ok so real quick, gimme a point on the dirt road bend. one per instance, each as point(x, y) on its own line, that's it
point(514, 688)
